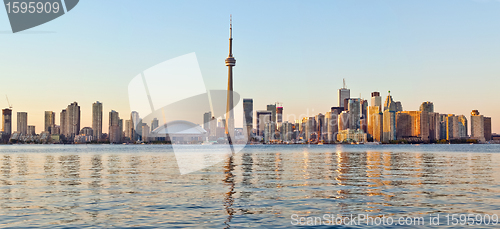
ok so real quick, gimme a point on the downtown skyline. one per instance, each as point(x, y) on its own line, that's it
point(449, 60)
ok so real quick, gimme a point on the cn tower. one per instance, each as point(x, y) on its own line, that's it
point(230, 63)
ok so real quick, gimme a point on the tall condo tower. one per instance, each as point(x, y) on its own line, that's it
point(230, 63)
point(344, 93)
point(376, 99)
point(97, 120)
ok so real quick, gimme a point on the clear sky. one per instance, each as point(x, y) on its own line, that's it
point(294, 52)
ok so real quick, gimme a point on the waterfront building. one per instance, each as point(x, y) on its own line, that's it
point(97, 120)
point(269, 134)
point(343, 121)
point(350, 135)
point(372, 110)
point(427, 106)
point(404, 126)
point(286, 131)
point(87, 131)
point(6, 124)
point(364, 109)
point(263, 117)
point(115, 132)
point(279, 114)
point(134, 127)
point(72, 120)
point(343, 94)
point(462, 127)
point(378, 126)
point(487, 128)
point(50, 121)
point(331, 126)
point(206, 121)
point(272, 108)
point(22, 123)
point(389, 125)
point(310, 129)
point(145, 132)
point(398, 105)
point(213, 129)
point(56, 130)
point(413, 125)
point(31, 131)
point(376, 100)
point(321, 127)
point(389, 103)
point(155, 123)
point(354, 113)
point(128, 129)
point(248, 117)
point(451, 127)
point(62, 122)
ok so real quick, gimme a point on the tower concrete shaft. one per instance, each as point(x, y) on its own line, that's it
point(230, 62)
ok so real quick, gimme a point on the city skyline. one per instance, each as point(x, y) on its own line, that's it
point(450, 59)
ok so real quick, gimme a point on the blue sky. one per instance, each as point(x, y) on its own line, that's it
point(294, 52)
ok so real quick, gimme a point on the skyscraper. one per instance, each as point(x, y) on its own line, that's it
point(372, 111)
point(343, 121)
point(389, 103)
point(272, 108)
point(263, 117)
point(364, 108)
point(145, 132)
point(389, 131)
point(331, 125)
point(343, 93)
point(451, 127)
point(310, 129)
point(50, 120)
point(128, 129)
point(427, 106)
point(206, 121)
point(114, 127)
point(399, 106)
point(462, 127)
point(413, 124)
point(73, 120)
point(477, 126)
point(135, 120)
point(378, 126)
point(279, 114)
point(487, 128)
point(22, 123)
point(63, 130)
point(376, 99)
point(7, 123)
point(97, 120)
point(354, 113)
point(230, 63)
point(248, 115)
point(321, 127)
point(155, 123)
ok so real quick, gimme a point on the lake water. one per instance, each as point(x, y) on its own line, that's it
point(262, 186)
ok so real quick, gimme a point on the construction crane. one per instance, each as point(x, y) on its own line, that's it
point(10, 105)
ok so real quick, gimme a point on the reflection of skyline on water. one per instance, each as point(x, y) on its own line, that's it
point(263, 185)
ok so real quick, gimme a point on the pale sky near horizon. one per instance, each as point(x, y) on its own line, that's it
point(294, 52)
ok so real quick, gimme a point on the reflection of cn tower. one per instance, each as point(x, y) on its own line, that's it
point(230, 62)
